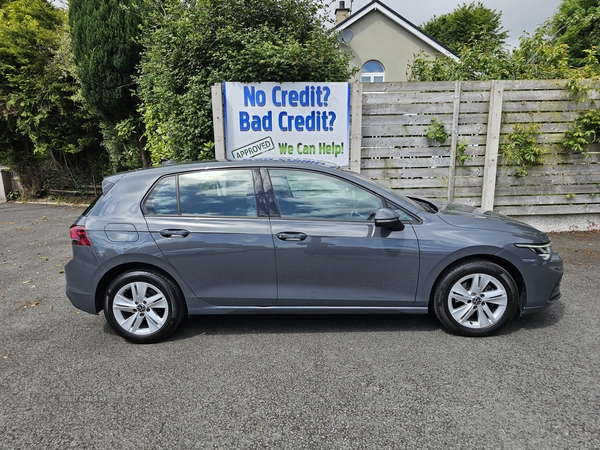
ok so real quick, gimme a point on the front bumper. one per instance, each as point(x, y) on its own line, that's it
point(554, 297)
point(543, 288)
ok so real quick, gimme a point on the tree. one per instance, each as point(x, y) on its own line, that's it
point(41, 115)
point(107, 52)
point(189, 46)
point(576, 23)
point(537, 57)
point(478, 61)
point(467, 25)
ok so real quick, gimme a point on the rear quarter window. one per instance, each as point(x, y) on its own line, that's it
point(163, 198)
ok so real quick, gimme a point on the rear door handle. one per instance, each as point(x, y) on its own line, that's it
point(170, 233)
point(291, 236)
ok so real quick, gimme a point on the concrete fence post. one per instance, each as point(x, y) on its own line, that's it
point(492, 145)
point(5, 184)
point(454, 141)
point(218, 121)
point(356, 128)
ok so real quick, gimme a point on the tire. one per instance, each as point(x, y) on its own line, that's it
point(143, 306)
point(475, 298)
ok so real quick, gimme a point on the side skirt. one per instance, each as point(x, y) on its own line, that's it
point(304, 310)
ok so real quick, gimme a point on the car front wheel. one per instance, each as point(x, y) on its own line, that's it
point(143, 306)
point(475, 298)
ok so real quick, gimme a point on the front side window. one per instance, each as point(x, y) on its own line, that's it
point(305, 195)
point(205, 193)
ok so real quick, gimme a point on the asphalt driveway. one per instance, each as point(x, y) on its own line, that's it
point(68, 381)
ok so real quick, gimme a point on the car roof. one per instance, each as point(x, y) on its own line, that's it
point(260, 162)
point(254, 162)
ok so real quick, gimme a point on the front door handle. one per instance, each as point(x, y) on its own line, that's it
point(291, 236)
point(171, 233)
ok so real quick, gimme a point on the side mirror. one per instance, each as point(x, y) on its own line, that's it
point(386, 218)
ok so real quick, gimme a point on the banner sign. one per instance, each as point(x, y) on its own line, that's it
point(288, 120)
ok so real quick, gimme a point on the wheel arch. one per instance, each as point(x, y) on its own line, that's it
point(115, 271)
point(504, 263)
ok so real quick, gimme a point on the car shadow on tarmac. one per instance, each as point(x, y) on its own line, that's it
point(242, 324)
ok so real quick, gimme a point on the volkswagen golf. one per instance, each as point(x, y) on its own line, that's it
point(258, 237)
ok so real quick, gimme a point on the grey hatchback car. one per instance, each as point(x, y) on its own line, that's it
point(290, 237)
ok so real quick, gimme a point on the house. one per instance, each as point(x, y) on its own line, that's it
point(382, 41)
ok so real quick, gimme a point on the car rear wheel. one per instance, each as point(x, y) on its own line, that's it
point(143, 306)
point(475, 298)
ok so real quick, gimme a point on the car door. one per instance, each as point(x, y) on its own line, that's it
point(208, 225)
point(329, 251)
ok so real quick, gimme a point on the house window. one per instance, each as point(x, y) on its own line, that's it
point(371, 72)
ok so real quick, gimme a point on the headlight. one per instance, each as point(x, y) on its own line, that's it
point(544, 251)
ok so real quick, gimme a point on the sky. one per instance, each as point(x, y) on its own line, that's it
point(517, 15)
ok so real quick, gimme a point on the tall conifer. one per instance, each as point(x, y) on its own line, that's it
point(106, 53)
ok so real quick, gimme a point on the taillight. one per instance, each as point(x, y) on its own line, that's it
point(79, 236)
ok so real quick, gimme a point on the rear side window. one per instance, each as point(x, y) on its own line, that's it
point(205, 193)
point(217, 193)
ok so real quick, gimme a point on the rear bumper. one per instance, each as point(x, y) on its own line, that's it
point(79, 290)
